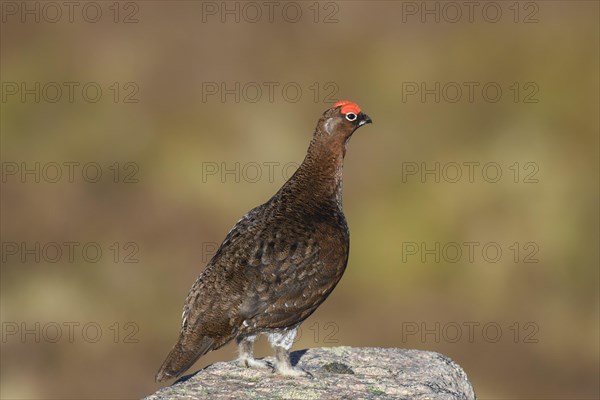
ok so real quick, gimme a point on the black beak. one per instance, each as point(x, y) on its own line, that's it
point(364, 119)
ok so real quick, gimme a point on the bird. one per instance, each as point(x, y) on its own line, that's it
point(278, 263)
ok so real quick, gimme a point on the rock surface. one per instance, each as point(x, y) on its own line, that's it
point(338, 373)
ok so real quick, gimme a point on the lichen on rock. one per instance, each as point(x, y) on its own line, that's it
point(338, 373)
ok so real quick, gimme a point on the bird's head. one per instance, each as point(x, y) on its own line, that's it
point(321, 171)
point(340, 121)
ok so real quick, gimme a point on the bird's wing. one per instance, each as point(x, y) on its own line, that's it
point(212, 305)
point(291, 271)
point(210, 316)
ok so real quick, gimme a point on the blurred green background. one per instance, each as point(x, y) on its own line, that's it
point(524, 326)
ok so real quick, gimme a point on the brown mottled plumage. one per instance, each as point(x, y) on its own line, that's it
point(278, 263)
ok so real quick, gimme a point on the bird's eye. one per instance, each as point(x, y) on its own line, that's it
point(351, 116)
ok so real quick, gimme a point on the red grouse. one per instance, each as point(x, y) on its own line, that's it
point(278, 263)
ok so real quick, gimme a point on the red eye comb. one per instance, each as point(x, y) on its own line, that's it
point(348, 107)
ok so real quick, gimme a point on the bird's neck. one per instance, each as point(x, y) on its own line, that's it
point(318, 180)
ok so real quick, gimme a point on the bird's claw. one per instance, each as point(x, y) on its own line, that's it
point(294, 372)
point(254, 363)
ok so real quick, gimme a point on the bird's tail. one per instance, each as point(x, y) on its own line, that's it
point(183, 356)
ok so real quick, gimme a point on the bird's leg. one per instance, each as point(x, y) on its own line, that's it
point(281, 342)
point(246, 357)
